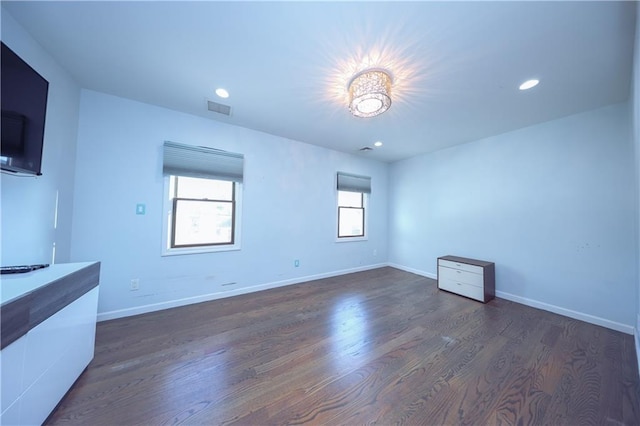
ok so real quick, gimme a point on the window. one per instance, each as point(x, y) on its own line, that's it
point(350, 214)
point(202, 199)
point(203, 212)
point(352, 196)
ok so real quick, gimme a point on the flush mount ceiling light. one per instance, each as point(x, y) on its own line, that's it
point(529, 84)
point(370, 93)
point(222, 93)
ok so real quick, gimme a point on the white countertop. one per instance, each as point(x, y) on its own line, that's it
point(13, 286)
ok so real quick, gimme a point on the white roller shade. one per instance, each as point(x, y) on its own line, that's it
point(354, 183)
point(201, 162)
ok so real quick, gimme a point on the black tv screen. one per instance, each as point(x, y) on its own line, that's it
point(23, 100)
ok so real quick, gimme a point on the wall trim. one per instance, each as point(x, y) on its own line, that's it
point(137, 310)
point(414, 271)
point(624, 328)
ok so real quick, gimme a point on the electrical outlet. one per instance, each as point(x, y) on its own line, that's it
point(375, 252)
point(135, 284)
point(296, 263)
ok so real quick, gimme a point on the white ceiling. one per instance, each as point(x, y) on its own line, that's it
point(456, 65)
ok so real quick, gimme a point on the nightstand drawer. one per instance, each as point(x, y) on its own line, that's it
point(459, 265)
point(462, 289)
point(460, 276)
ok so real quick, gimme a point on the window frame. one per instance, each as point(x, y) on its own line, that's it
point(364, 202)
point(170, 202)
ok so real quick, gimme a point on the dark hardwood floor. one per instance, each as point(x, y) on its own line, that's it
point(377, 347)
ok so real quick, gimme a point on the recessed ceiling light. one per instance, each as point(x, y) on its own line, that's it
point(529, 84)
point(378, 143)
point(222, 93)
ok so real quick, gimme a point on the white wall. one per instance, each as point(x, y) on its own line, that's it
point(288, 212)
point(29, 203)
point(553, 205)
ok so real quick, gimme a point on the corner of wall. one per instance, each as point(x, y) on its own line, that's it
point(635, 134)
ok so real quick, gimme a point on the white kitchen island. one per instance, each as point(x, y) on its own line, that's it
point(48, 323)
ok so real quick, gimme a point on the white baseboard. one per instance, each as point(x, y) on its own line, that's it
point(624, 328)
point(414, 271)
point(103, 316)
point(137, 310)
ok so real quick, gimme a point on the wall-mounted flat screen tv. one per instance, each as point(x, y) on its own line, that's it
point(23, 102)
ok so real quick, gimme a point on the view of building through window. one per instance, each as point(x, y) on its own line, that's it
point(203, 212)
point(350, 214)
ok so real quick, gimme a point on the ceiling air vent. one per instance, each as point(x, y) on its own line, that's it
point(365, 149)
point(219, 108)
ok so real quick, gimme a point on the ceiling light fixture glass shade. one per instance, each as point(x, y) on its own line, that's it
point(370, 93)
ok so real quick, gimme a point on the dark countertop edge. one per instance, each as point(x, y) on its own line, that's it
point(467, 260)
point(22, 314)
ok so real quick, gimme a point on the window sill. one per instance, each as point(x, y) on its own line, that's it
point(351, 239)
point(199, 250)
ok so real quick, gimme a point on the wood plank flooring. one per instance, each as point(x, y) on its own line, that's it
point(377, 347)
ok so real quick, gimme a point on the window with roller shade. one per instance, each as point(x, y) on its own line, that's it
point(202, 199)
point(353, 192)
